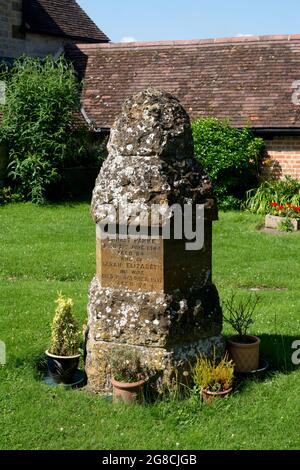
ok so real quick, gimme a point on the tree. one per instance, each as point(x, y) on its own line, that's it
point(38, 115)
point(231, 156)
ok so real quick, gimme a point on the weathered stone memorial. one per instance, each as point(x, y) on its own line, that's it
point(152, 292)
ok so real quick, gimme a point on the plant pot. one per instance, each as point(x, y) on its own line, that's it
point(127, 392)
point(244, 355)
point(209, 396)
point(62, 368)
point(258, 374)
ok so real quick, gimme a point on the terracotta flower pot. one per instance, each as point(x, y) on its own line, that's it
point(127, 392)
point(244, 355)
point(62, 368)
point(209, 396)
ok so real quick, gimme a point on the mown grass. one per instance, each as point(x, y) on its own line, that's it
point(47, 249)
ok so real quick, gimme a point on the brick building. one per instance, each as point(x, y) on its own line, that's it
point(41, 27)
point(251, 81)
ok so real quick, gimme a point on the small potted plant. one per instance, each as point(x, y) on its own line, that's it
point(63, 355)
point(128, 377)
point(243, 348)
point(214, 378)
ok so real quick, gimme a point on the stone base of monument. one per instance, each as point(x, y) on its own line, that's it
point(167, 366)
point(168, 330)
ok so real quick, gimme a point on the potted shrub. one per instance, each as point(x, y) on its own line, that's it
point(243, 348)
point(63, 355)
point(214, 378)
point(128, 377)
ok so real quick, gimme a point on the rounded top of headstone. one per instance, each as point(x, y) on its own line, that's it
point(151, 159)
point(152, 122)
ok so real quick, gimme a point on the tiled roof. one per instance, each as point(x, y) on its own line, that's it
point(63, 18)
point(248, 80)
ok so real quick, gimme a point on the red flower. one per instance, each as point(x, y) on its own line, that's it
point(287, 206)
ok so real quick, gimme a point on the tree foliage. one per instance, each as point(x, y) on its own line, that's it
point(231, 156)
point(38, 116)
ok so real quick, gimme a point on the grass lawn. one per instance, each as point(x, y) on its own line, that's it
point(47, 249)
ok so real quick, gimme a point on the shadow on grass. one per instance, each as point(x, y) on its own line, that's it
point(277, 350)
point(39, 366)
point(66, 202)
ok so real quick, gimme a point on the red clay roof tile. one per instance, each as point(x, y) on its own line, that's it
point(246, 79)
point(64, 18)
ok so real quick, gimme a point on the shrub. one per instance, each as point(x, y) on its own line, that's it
point(7, 196)
point(240, 313)
point(229, 203)
point(282, 192)
point(231, 156)
point(65, 337)
point(213, 375)
point(38, 117)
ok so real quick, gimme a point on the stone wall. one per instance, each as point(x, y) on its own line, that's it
point(284, 153)
point(38, 45)
point(10, 17)
point(13, 43)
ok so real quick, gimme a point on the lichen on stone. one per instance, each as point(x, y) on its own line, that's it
point(151, 162)
point(151, 158)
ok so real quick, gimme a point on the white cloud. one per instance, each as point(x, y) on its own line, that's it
point(128, 39)
point(241, 35)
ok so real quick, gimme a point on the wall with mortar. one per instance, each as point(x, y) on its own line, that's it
point(284, 154)
point(13, 43)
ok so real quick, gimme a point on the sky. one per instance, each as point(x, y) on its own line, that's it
point(146, 20)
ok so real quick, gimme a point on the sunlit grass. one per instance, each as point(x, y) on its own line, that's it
point(48, 249)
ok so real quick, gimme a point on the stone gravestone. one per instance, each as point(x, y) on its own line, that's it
point(152, 292)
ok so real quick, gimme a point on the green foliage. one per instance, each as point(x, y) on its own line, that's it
point(286, 191)
point(41, 100)
point(95, 149)
point(240, 313)
point(213, 375)
point(7, 195)
point(126, 365)
point(286, 225)
point(231, 156)
point(229, 203)
point(65, 336)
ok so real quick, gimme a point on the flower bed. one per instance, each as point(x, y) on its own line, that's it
point(284, 217)
point(276, 222)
